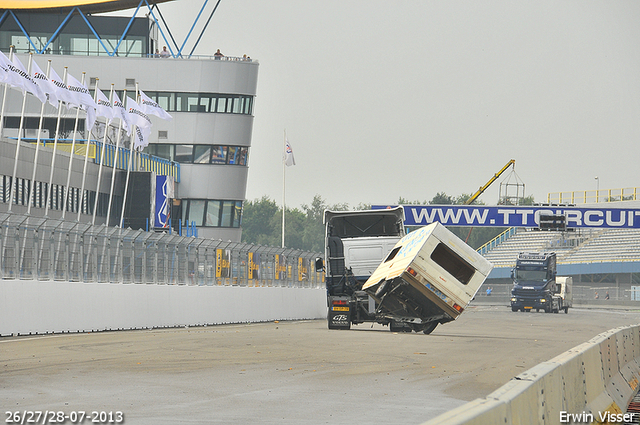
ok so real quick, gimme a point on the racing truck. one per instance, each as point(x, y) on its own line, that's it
point(376, 273)
point(535, 285)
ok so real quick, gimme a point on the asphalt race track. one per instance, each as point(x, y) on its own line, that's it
point(286, 372)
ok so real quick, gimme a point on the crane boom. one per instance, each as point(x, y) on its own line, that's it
point(491, 180)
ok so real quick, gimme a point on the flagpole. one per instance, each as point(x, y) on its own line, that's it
point(284, 167)
point(86, 156)
point(129, 165)
point(115, 162)
point(102, 149)
point(73, 147)
point(35, 159)
point(55, 147)
point(14, 183)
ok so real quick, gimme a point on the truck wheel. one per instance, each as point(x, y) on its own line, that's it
point(537, 310)
point(429, 328)
point(514, 308)
point(383, 289)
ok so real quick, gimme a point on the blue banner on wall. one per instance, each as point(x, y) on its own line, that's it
point(162, 202)
point(517, 216)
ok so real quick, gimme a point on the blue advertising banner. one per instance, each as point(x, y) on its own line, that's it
point(162, 202)
point(517, 216)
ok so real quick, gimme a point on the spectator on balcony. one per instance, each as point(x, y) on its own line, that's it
point(164, 53)
point(218, 54)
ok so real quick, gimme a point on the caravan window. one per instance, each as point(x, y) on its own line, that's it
point(451, 262)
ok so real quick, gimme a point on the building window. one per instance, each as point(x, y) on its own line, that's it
point(195, 212)
point(203, 102)
point(184, 154)
point(200, 154)
point(216, 213)
point(219, 155)
point(213, 214)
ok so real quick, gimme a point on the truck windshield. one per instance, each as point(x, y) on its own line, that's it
point(531, 275)
point(357, 226)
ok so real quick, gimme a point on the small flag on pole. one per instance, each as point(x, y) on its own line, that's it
point(288, 154)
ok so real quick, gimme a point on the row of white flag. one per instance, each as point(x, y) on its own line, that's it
point(73, 93)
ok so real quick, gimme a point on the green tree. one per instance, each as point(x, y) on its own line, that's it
point(258, 222)
point(527, 200)
point(441, 198)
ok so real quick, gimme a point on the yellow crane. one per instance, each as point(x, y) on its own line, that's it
point(491, 180)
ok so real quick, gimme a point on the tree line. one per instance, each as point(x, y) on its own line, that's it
point(262, 222)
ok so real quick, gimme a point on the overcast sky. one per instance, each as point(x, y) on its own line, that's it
point(382, 99)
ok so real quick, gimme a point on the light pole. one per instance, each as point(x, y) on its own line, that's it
point(597, 188)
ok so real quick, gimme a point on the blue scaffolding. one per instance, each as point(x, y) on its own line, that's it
point(175, 50)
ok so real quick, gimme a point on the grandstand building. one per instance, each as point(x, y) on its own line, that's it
point(204, 149)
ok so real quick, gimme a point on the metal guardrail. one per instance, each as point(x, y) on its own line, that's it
point(594, 196)
point(35, 248)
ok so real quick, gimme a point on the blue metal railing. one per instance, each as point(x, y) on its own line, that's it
point(497, 240)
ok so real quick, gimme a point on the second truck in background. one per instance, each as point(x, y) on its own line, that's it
point(535, 285)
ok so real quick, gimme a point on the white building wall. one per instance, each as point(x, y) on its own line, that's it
point(201, 181)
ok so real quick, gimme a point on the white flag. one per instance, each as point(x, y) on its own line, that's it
point(82, 98)
point(121, 112)
point(4, 68)
point(62, 92)
point(20, 78)
point(142, 122)
point(45, 84)
point(288, 154)
point(104, 108)
point(151, 107)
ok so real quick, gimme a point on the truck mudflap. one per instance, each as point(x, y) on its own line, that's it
point(339, 314)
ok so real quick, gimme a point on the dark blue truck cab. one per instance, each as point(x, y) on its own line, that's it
point(534, 283)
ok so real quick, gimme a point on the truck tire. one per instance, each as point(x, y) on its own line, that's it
point(383, 289)
point(514, 309)
point(429, 327)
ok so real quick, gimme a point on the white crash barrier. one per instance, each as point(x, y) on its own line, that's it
point(33, 307)
point(582, 385)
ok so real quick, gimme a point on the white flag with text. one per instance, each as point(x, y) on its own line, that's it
point(151, 107)
point(41, 79)
point(142, 122)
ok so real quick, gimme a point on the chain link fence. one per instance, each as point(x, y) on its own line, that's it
point(35, 248)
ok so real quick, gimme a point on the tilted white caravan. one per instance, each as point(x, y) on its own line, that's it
point(429, 277)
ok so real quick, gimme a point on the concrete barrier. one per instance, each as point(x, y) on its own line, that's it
point(34, 307)
point(582, 385)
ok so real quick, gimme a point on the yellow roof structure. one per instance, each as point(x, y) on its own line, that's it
point(87, 6)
